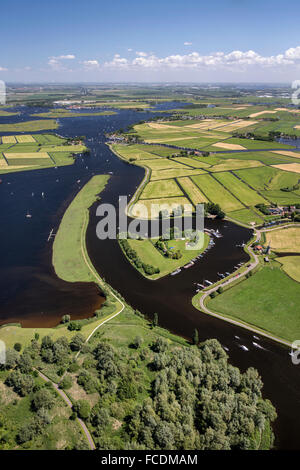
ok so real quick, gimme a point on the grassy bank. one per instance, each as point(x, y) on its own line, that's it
point(269, 300)
point(67, 255)
point(30, 126)
point(64, 113)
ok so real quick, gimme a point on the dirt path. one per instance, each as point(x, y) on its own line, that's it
point(70, 405)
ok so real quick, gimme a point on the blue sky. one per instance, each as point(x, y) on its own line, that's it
point(71, 40)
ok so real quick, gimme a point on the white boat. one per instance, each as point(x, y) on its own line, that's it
point(28, 215)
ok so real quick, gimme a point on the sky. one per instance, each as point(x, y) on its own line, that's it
point(155, 41)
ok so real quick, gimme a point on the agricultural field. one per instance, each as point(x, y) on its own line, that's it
point(285, 240)
point(211, 163)
point(28, 152)
point(269, 300)
point(217, 193)
point(293, 167)
point(163, 188)
point(241, 191)
point(236, 181)
point(234, 164)
point(291, 266)
point(25, 139)
point(30, 126)
point(174, 173)
point(192, 190)
point(247, 216)
point(150, 208)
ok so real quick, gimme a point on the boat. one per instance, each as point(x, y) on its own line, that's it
point(175, 272)
point(28, 215)
point(208, 282)
point(189, 265)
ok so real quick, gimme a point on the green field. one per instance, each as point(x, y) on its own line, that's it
point(158, 189)
point(192, 190)
point(234, 164)
point(163, 164)
point(133, 152)
point(64, 113)
point(215, 192)
point(191, 162)
point(240, 190)
point(67, 247)
point(30, 126)
point(246, 216)
point(174, 173)
point(291, 265)
point(31, 152)
point(150, 208)
point(268, 178)
point(148, 254)
point(269, 300)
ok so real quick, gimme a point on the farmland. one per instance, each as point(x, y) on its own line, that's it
point(291, 265)
point(217, 161)
point(26, 152)
point(273, 308)
point(285, 240)
point(236, 181)
point(217, 193)
point(30, 126)
point(161, 188)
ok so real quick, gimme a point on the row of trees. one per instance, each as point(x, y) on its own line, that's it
point(133, 256)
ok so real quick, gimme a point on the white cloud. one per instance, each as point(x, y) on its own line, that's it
point(234, 60)
point(141, 54)
point(186, 43)
point(3, 69)
point(55, 61)
point(129, 50)
point(293, 53)
point(91, 63)
point(117, 61)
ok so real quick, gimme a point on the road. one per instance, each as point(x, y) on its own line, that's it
point(70, 405)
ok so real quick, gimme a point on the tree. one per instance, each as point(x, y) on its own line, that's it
point(76, 342)
point(74, 326)
point(82, 408)
point(66, 319)
point(18, 347)
point(21, 383)
point(196, 337)
point(155, 319)
point(10, 360)
point(43, 399)
point(66, 383)
point(137, 342)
